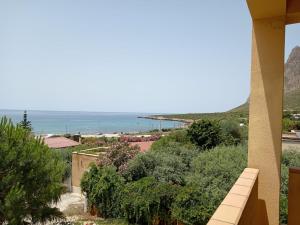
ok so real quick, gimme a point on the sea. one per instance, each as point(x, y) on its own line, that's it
point(62, 122)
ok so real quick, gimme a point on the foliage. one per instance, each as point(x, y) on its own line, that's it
point(168, 164)
point(289, 124)
point(233, 114)
point(186, 152)
point(25, 123)
point(289, 159)
point(194, 205)
point(103, 187)
point(147, 201)
point(30, 177)
point(206, 134)
point(119, 155)
point(233, 133)
point(66, 157)
point(164, 167)
point(213, 174)
point(141, 166)
point(177, 138)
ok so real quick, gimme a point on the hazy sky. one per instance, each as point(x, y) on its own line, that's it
point(126, 55)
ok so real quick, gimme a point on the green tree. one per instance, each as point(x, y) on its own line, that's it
point(30, 177)
point(103, 187)
point(25, 123)
point(206, 134)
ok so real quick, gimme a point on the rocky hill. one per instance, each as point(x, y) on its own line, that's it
point(291, 83)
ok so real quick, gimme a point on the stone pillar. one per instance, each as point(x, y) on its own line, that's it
point(265, 115)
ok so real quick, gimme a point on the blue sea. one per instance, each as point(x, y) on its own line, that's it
point(61, 122)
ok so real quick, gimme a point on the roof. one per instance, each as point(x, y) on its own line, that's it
point(144, 145)
point(60, 142)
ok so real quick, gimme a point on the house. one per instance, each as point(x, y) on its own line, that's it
point(60, 142)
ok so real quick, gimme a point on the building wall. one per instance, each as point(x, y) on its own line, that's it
point(80, 163)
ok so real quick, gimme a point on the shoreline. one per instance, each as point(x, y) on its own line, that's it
point(185, 121)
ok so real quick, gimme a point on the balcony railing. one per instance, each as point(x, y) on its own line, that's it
point(238, 206)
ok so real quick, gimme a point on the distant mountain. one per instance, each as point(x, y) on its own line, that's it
point(292, 71)
point(291, 84)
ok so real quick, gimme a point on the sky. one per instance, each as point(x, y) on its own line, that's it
point(163, 56)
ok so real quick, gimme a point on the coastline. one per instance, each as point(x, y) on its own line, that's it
point(185, 121)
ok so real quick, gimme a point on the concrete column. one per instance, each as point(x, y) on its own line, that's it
point(265, 125)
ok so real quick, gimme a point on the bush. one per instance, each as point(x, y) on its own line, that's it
point(103, 187)
point(30, 177)
point(178, 137)
point(289, 159)
point(289, 124)
point(148, 201)
point(206, 134)
point(231, 132)
point(213, 174)
point(164, 167)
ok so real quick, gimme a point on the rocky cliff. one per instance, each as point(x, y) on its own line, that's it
point(292, 71)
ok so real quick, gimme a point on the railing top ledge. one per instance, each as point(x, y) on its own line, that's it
point(231, 209)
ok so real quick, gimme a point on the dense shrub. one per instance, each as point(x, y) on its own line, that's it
point(177, 138)
point(206, 134)
point(289, 124)
point(148, 201)
point(164, 167)
point(213, 174)
point(30, 177)
point(103, 187)
point(232, 133)
point(185, 152)
point(289, 159)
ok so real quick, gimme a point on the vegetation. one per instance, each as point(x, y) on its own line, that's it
point(118, 155)
point(290, 124)
point(290, 158)
point(177, 181)
point(25, 123)
point(238, 115)
point(206, 134)
point(66, 156)
point(148, 201)
point(104, 187)
point(174, 181)
point(30, 177)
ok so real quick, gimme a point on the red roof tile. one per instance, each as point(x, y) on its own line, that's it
point(60, 142)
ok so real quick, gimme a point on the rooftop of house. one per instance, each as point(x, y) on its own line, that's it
point(60, 142)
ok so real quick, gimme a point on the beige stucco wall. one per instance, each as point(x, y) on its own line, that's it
point(80, 164)
point(265, 124)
